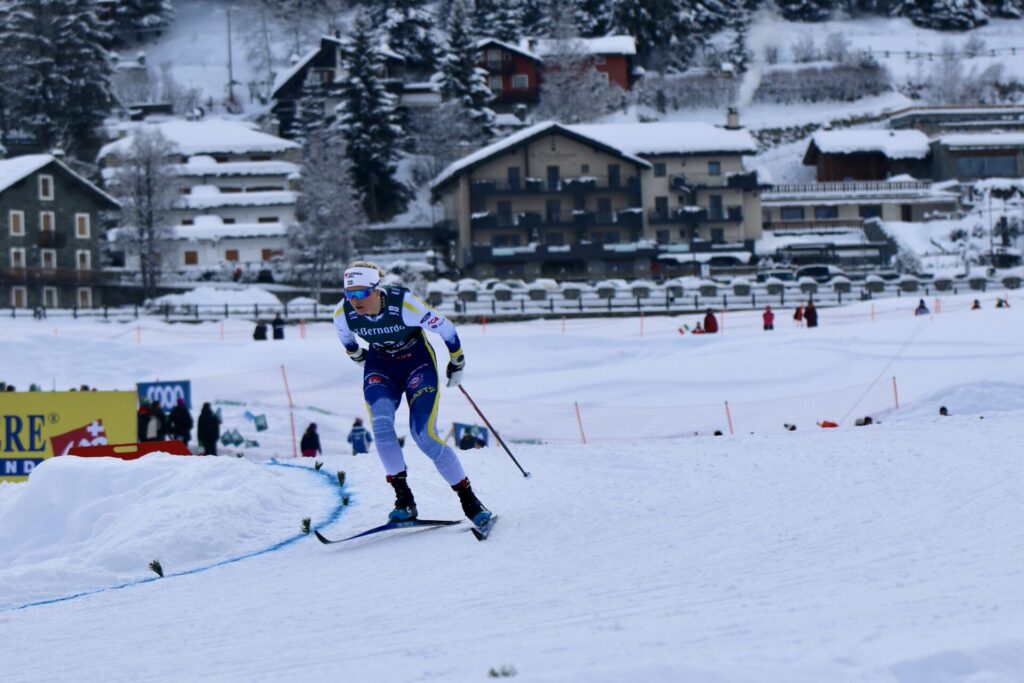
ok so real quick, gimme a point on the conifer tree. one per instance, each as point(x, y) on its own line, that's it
point(505, 21)
point(805, 10)
point(408, 26)
point(944, 15)
point(534, 15)
point(61, 78)
point(591, 17)
point(368, 122)
point(1010, 9)
point(462, 80)
point(142, 16)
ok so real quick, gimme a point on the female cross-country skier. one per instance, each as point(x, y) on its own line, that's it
point(400, 361)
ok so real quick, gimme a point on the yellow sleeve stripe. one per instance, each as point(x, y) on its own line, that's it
point(338, 310)
point(409, 306)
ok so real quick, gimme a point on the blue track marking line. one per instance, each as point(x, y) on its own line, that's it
point(329, 478)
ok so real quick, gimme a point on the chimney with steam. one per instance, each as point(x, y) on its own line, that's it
point(732, 119)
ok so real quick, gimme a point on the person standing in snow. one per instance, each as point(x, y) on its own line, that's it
point(180, 421)
point(278, 324)
point(208, 430)
point(921, 308)
point(798, 315)
point(260, 333)
point(310, 444)
point(769, 318)
point(400, 361)
point(359, 438)
point(811, 314)
point(710, 322)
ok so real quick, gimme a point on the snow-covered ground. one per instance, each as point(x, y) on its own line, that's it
point(884, 553)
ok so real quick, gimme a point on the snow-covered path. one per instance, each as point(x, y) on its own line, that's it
point(885, 553)
point(868, 554)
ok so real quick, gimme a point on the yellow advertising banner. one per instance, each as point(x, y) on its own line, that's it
point(37, 425)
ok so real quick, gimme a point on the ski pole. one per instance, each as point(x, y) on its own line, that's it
point(493, 430)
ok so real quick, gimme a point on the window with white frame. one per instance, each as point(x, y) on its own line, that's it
point(85, 297)
point(46, 221)
point(49, 297)
point(82, 225)
point(46, 187)
point(19, 297)
point(16, 222)
point(18, 257)
point(520, 81)
point(83, 259)
point(48, 259)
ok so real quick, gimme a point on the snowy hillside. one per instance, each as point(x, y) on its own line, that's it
point(881, 553)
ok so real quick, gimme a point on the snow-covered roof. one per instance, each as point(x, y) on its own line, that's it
point(511, 47)
point(607, 45)
point(15, 169)
point(983, 140)
point(895, 144)
point(202, 165)
point(215, 229)
point(295, 68)
point(209, 136)
point(706, 256)
point(669, 137)
point(517, 138)
point(210, 197)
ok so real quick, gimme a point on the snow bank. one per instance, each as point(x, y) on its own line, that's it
point(84, 523)
point(248, 296)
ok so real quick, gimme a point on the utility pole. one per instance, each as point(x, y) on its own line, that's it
point(231, 74)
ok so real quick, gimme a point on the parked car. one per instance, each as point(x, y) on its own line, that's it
point(784, 275)
point(820, 273)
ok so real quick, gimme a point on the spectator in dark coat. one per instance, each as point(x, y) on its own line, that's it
point(260, 333)
point(181, 422)
point(278, 324)
point(208, 430)
point(360, 438)
point(976, 306)
point(710, 322)
point(769, 318)
point(921, 308)
point(142, 421)
point(310, 445)
point(811, 315)
point(470, 439)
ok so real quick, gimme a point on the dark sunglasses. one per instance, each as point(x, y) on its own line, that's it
point(358, 293)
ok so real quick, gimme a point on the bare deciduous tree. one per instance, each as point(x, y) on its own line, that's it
point(144, 185)
point(330, 215)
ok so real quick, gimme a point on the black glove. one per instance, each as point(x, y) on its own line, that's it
point(358, 356)
point(454, 370)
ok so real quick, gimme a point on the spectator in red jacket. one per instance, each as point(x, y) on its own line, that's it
point(769, 318)
point(710, 323)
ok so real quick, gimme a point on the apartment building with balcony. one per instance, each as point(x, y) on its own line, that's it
point(793, 207)
point(235, 196)
point(53, 230)
point(594, 201)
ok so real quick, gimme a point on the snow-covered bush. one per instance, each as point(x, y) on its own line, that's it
point(841, 283)
point(808, 285)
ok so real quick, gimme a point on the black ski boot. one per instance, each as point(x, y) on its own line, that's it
point(471, 505)
point(405, 505)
